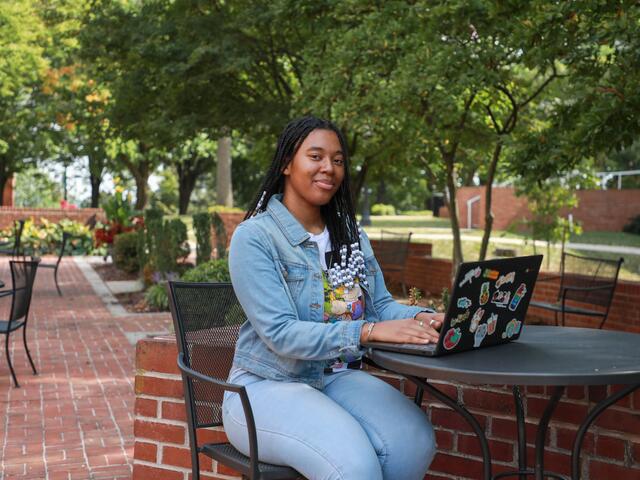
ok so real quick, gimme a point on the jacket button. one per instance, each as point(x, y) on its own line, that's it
point(315, 305)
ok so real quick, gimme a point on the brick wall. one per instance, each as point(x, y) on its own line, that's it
point(230, 221)
point(611, 448)
point(597, 210)
point(431, 275)
point(9, 214)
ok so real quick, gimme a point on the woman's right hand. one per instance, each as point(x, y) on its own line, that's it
point(406, 330)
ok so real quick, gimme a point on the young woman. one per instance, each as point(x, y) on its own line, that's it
point(312, 290)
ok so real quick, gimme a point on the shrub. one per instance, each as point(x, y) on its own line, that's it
point(202, 227)
point(125, 252)
point(633, 226)
point(156, 297)
point(382, 209)
point(211, 271)
point(45, 237)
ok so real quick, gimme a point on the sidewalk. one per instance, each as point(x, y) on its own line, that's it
point(74, 420)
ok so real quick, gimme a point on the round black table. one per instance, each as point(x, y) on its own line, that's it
point(543, 355)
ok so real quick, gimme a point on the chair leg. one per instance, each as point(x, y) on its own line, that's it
point(55, 278)
point(6, 350)
point(26, 349)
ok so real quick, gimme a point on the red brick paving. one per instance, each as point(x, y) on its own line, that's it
point(74, 420)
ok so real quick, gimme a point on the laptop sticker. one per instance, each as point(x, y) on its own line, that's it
point(451, 338)
point(515, 301)
point(462, 317)
point(481, 332)
point(512, 328)
point(491, 323)
point(464, 302)
point(484, 293)
point(501, 298)
point(508, 278)
point(490, 274)
point(470, 275)
point(475, 320)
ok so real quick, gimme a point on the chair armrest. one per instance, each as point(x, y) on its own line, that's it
point(549, 279)
point(5, 293)
point(206, 378)
point(246, 406)
point(589, 289)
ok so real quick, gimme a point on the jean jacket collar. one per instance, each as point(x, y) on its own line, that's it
point(291, 228)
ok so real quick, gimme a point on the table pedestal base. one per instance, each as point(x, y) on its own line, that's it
point(523, 472)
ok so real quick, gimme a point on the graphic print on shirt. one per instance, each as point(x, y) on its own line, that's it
point(342, 305)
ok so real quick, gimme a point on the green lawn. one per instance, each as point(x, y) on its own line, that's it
point(419, 224)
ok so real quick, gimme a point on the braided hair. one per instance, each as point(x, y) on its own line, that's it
point(339, 214)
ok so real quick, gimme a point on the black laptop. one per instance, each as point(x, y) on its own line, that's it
point(488, 304)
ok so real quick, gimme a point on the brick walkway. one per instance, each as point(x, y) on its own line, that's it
point(74, 420)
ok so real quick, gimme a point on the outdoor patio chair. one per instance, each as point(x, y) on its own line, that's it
point(23, 274)
point(207, 318)
point(65, 239)
point(586, 282)
point(392, 253)
point(15, 247)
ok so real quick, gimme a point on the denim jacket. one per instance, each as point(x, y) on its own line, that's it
point(277, 277)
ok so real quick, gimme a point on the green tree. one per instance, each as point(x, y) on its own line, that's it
point(22, 67)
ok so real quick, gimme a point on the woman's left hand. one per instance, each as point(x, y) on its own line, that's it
point(432, 320)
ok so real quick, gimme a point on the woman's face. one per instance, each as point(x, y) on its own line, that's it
point(316, 171)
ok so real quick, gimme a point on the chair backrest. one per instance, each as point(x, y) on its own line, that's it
point(393, 248)
point(65, 239)
point(18, 226)
point(23, 274)
point(207, 318)
point(589, 272)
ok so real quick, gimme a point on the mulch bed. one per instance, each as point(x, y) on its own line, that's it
point(109, 273)
point(132, 302)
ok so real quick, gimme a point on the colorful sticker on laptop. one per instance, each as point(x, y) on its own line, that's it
point(491, 323)
point(490, 274)
point(501, 298)
point(475, 320)
point(512, 328)
point(464, 302)
point(462, 317)
point(470, 275)
point(484, 293)
point(481, 332)
point(451, 338)
point(508, 278)
point(515, 301)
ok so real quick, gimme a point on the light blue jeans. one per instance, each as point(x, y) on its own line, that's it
point(357, 427)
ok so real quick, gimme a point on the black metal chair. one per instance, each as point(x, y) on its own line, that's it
point(207, 319)
point(392, 254)
point(585, 281)
point(65, 239)
point(15, 249)
point(23, 274)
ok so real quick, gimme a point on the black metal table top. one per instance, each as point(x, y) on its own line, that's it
point(542, 355)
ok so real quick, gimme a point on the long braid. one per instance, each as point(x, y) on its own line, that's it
point(339, 214)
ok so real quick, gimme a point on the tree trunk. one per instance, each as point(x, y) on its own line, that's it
point(187, 176)
point(452, 205)
point(96, 169)
point(381, 193)
point(359, 182)
point(488, 215)
point(95, 190)
point(3, 182)
point(141, 177)
point(224, 191)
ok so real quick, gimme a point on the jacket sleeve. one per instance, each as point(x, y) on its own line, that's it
point(383, 303)
point(265, 297)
